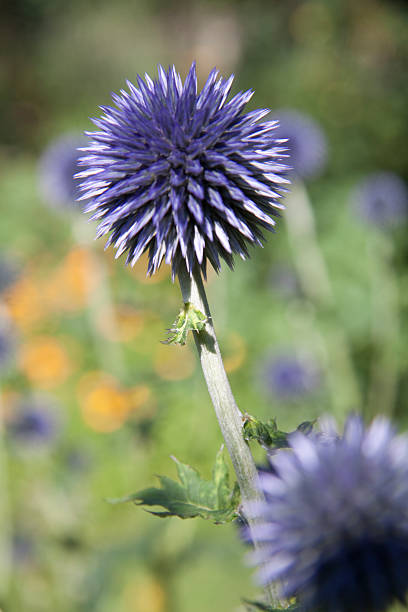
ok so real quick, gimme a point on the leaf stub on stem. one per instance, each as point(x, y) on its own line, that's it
point(188, 319)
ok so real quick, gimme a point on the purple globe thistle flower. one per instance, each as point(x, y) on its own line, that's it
point(34, 423)
point(306, 142)
point(381, 199)
point(334, 527)
point(289, 376)
point(57, 169)
point(187, 177)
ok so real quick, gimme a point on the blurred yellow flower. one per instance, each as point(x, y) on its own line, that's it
point(174, 362)
point(44, 361)
point(235, 352)
point(142, 401)
point(145, 595)
point(104, 406)
point(125, 324)
point(68, 289)
point(25, 303)
point(139, 271)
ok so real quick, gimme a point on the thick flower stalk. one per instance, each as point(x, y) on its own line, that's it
point(334, 525)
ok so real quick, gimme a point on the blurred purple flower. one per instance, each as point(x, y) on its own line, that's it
point(35, 422)
point(57, 167)
point(381, 198)
point(7, 344)
point(284, 281)
point(307, 144)
point(8, 272)
point(22, 548)
point(289, 376)
point(334, 527)
point(187, 177)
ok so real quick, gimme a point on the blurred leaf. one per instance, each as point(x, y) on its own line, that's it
point(268, 435)
point(213, 500)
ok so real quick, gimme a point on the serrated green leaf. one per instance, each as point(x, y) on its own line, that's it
point(213, 500)
point(268, 435)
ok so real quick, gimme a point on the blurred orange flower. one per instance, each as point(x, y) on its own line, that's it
point(68, 289)
point(24, 302)
point(235, 352)
point(104, 405)
point(44, 361)
point(174, 362)
point(139, 270)
point(124, 324)
point(143, 401)
point(145, 595)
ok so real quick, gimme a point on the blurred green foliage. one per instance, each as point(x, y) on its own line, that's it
point(89, 329)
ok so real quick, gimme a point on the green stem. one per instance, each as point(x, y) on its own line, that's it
point(315, 283)
point(99, 301)
point(385, 326)
point(5, 516)
point(228, 414)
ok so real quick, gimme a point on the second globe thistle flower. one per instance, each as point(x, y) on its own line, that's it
point(335, 521)
point(187, 177)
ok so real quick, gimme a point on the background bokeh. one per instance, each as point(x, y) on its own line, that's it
point(92, 404)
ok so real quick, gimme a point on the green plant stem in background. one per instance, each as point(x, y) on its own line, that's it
point(228, 414)
point(100, 303)
point(385, 328)
point(315, 283)
point(5, 517)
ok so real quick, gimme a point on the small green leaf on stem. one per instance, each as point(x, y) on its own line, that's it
point(214, 500)
point(188, 319)
point(268, 435)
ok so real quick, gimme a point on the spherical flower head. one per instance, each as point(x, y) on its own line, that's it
point(334, 527)
point(306, 143)
point(381, 199)
point(187, 176)
point(58, 166)
point(289, 376)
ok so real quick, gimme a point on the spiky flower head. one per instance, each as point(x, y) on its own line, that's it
point(381, 198)
point(306, 142)
point(187, 176)
point(334, 527)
